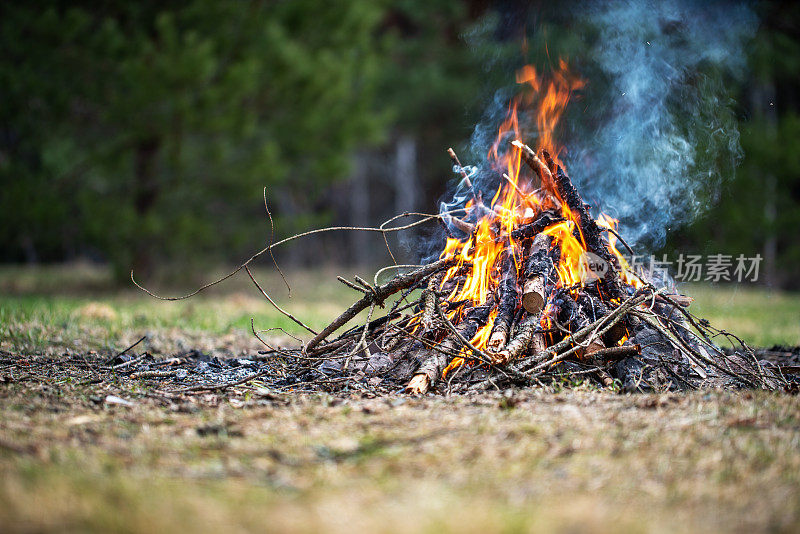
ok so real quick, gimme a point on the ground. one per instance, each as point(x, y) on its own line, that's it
point(74, 458)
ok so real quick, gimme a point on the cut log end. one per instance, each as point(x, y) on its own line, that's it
point(497, 341)
point(418, 385)
point(533, 295)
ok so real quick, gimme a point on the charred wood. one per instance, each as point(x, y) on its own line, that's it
point(539, 271)
point(508, 301)
point(394, 285)
point(432, 367)
point(544, 220)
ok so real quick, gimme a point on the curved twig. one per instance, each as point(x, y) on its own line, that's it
point(382, 229)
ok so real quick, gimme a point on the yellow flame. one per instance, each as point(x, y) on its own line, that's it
point(516, 201)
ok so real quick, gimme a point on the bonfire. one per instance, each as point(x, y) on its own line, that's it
point(529, 288)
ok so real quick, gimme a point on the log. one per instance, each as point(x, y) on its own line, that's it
point(432, 367)
point(550, 162)
point(537, 343)
point(553, 354)
point(613, 354)
point(508, 302)
point(533, 294)
point(394, 285)
point(533, 161)
point(593, 308)
point(574, 313)
point(521, 342)
point(591, 232)
point(538, 272)
point(544, 220)
point(429, 300)
point(605, 378)
point(587, 353)
point(408, 359)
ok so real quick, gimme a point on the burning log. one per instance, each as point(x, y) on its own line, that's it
point(589, 230)
point(432, 367)
point(538, 272)
point(543, 220)
point(536, 165)
point(509, 297)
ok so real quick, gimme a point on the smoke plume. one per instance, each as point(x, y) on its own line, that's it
point(664, 134)
point(654, 133)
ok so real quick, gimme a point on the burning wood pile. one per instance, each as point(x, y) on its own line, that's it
point(529, 288)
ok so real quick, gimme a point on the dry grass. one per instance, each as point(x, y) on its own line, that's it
point(576, 460)
point(250, 460)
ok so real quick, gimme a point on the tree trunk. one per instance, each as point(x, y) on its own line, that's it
point(359, 210)
point(146, 192)
point(764, 106)
point(405, 186)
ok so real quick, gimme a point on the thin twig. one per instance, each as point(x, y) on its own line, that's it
point(284, 312)
point(126, 350)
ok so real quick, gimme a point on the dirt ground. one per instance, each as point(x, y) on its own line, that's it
point(85, 450)
point(78, 454)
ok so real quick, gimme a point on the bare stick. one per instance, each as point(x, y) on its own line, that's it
point(617, 353)
point(464, 176)
point(129, 362)
point(381, 293)
point(271, 239)
point(284, 312)
point(126, 350)
point(351, 285)
point(382, 230)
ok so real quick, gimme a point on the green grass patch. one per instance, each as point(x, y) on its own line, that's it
point(759, 316)
point(58, 305)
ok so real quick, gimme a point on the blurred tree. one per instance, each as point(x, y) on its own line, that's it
point(134, 127)
point(757, 213)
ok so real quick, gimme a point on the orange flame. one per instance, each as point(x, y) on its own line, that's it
point(627, 272)
point(541, 102)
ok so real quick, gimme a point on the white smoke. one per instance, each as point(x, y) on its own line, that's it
point(666, 133)
point(654, 134)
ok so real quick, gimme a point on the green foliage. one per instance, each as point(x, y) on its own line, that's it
point(142, 132)
point(139, 128)
point(760, 201)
